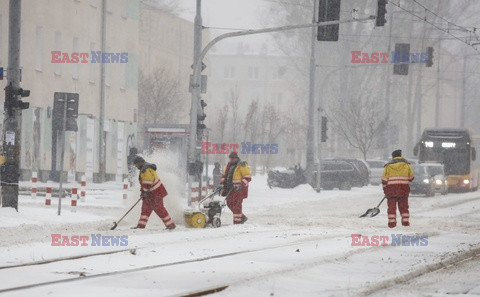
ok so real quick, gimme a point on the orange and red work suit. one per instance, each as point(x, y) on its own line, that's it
point(235, 184)
point(152, 193)
point(396, 176)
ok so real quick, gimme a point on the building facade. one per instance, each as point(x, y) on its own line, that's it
point(75, 26)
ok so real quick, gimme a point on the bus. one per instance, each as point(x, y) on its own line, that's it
point(454, 148)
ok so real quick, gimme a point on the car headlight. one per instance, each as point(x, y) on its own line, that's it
point(427, 181)
point(466, 181)
point(438, 182)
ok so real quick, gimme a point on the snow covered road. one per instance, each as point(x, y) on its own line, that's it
point(296, 243)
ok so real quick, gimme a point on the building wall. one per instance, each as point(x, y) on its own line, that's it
point(75, 26)
point(166, 41)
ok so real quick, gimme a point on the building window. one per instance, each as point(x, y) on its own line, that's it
point(39, 48)
point(123, 86)
point(253, 72)
point(229, 72)
point(58, 47)
point(107, 70)
point(124, 9)
point(91, 72)
point(108, 6)
point(75, 65)
point(279, 73)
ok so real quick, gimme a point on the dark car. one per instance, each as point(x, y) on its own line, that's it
point(429, 179)
point(362, 170)
point(337, 174)
point(287, 179)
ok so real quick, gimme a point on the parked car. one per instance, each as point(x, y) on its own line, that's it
point(362, 177)
point(287, 179)
point(429, 179)
point(337, 174)
point(376, 171)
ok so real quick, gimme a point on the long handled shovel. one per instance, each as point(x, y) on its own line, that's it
point(373, 211)
point(115, 224)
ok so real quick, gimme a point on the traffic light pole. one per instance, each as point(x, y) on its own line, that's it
point(62, 153)
point(11, 132)
point(197, 69)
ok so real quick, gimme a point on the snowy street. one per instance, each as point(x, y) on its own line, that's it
point(296, 242)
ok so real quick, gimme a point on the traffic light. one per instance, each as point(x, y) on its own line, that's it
point(381, 12)
point(1, 73)
point(200, 118)
point(70, 111)
point(11, 101)
point(324, 136)
point(401, 58)
point(329, 10)
point(430, 56)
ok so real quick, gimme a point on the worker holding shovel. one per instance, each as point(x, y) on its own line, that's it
point(395, 179)
point(152, 193)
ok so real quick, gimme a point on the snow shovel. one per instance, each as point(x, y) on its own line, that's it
point(115, 224)
point(373, 211)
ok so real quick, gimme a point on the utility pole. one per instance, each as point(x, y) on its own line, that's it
point(310, 154)
point(196, 90)
point(464, 93)
point(101, 118)
point(437, 88)
point(387, 139)
point(13, 116)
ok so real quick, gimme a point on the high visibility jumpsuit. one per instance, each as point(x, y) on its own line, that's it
point(395, 180)
point(153, 192)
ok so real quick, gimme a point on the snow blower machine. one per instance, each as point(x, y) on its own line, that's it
point(208, 212)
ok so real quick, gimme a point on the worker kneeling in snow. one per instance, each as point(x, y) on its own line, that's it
point(396, 176)
point(235, 186)
point(152, 192)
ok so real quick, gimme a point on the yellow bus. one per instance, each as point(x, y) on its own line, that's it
point(455, 149)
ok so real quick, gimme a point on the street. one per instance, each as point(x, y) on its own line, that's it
point(300, 244)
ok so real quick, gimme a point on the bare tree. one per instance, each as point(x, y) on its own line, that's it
point(360, 121)
point(271, 129)
point(159, 98)
point(251, 130)
point(234, 101)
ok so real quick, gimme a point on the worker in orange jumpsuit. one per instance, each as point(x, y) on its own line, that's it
point(235, 186)
point(152, 193)
point(395, 180)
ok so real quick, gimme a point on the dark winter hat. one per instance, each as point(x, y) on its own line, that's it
point(138, 160)
point(233, 155)
point(397, 153)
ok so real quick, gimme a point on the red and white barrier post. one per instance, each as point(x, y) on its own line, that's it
point(34, 184)
point(83, 186)
point(48, 195)
point(73, 199)
point(125, 189)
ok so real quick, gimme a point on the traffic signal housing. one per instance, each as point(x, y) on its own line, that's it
point(11, 99)
point(380, 20)
point(329, 10)
point(429, 56)
point(324, 136)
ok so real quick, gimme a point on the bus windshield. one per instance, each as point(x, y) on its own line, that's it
point(456, 161)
